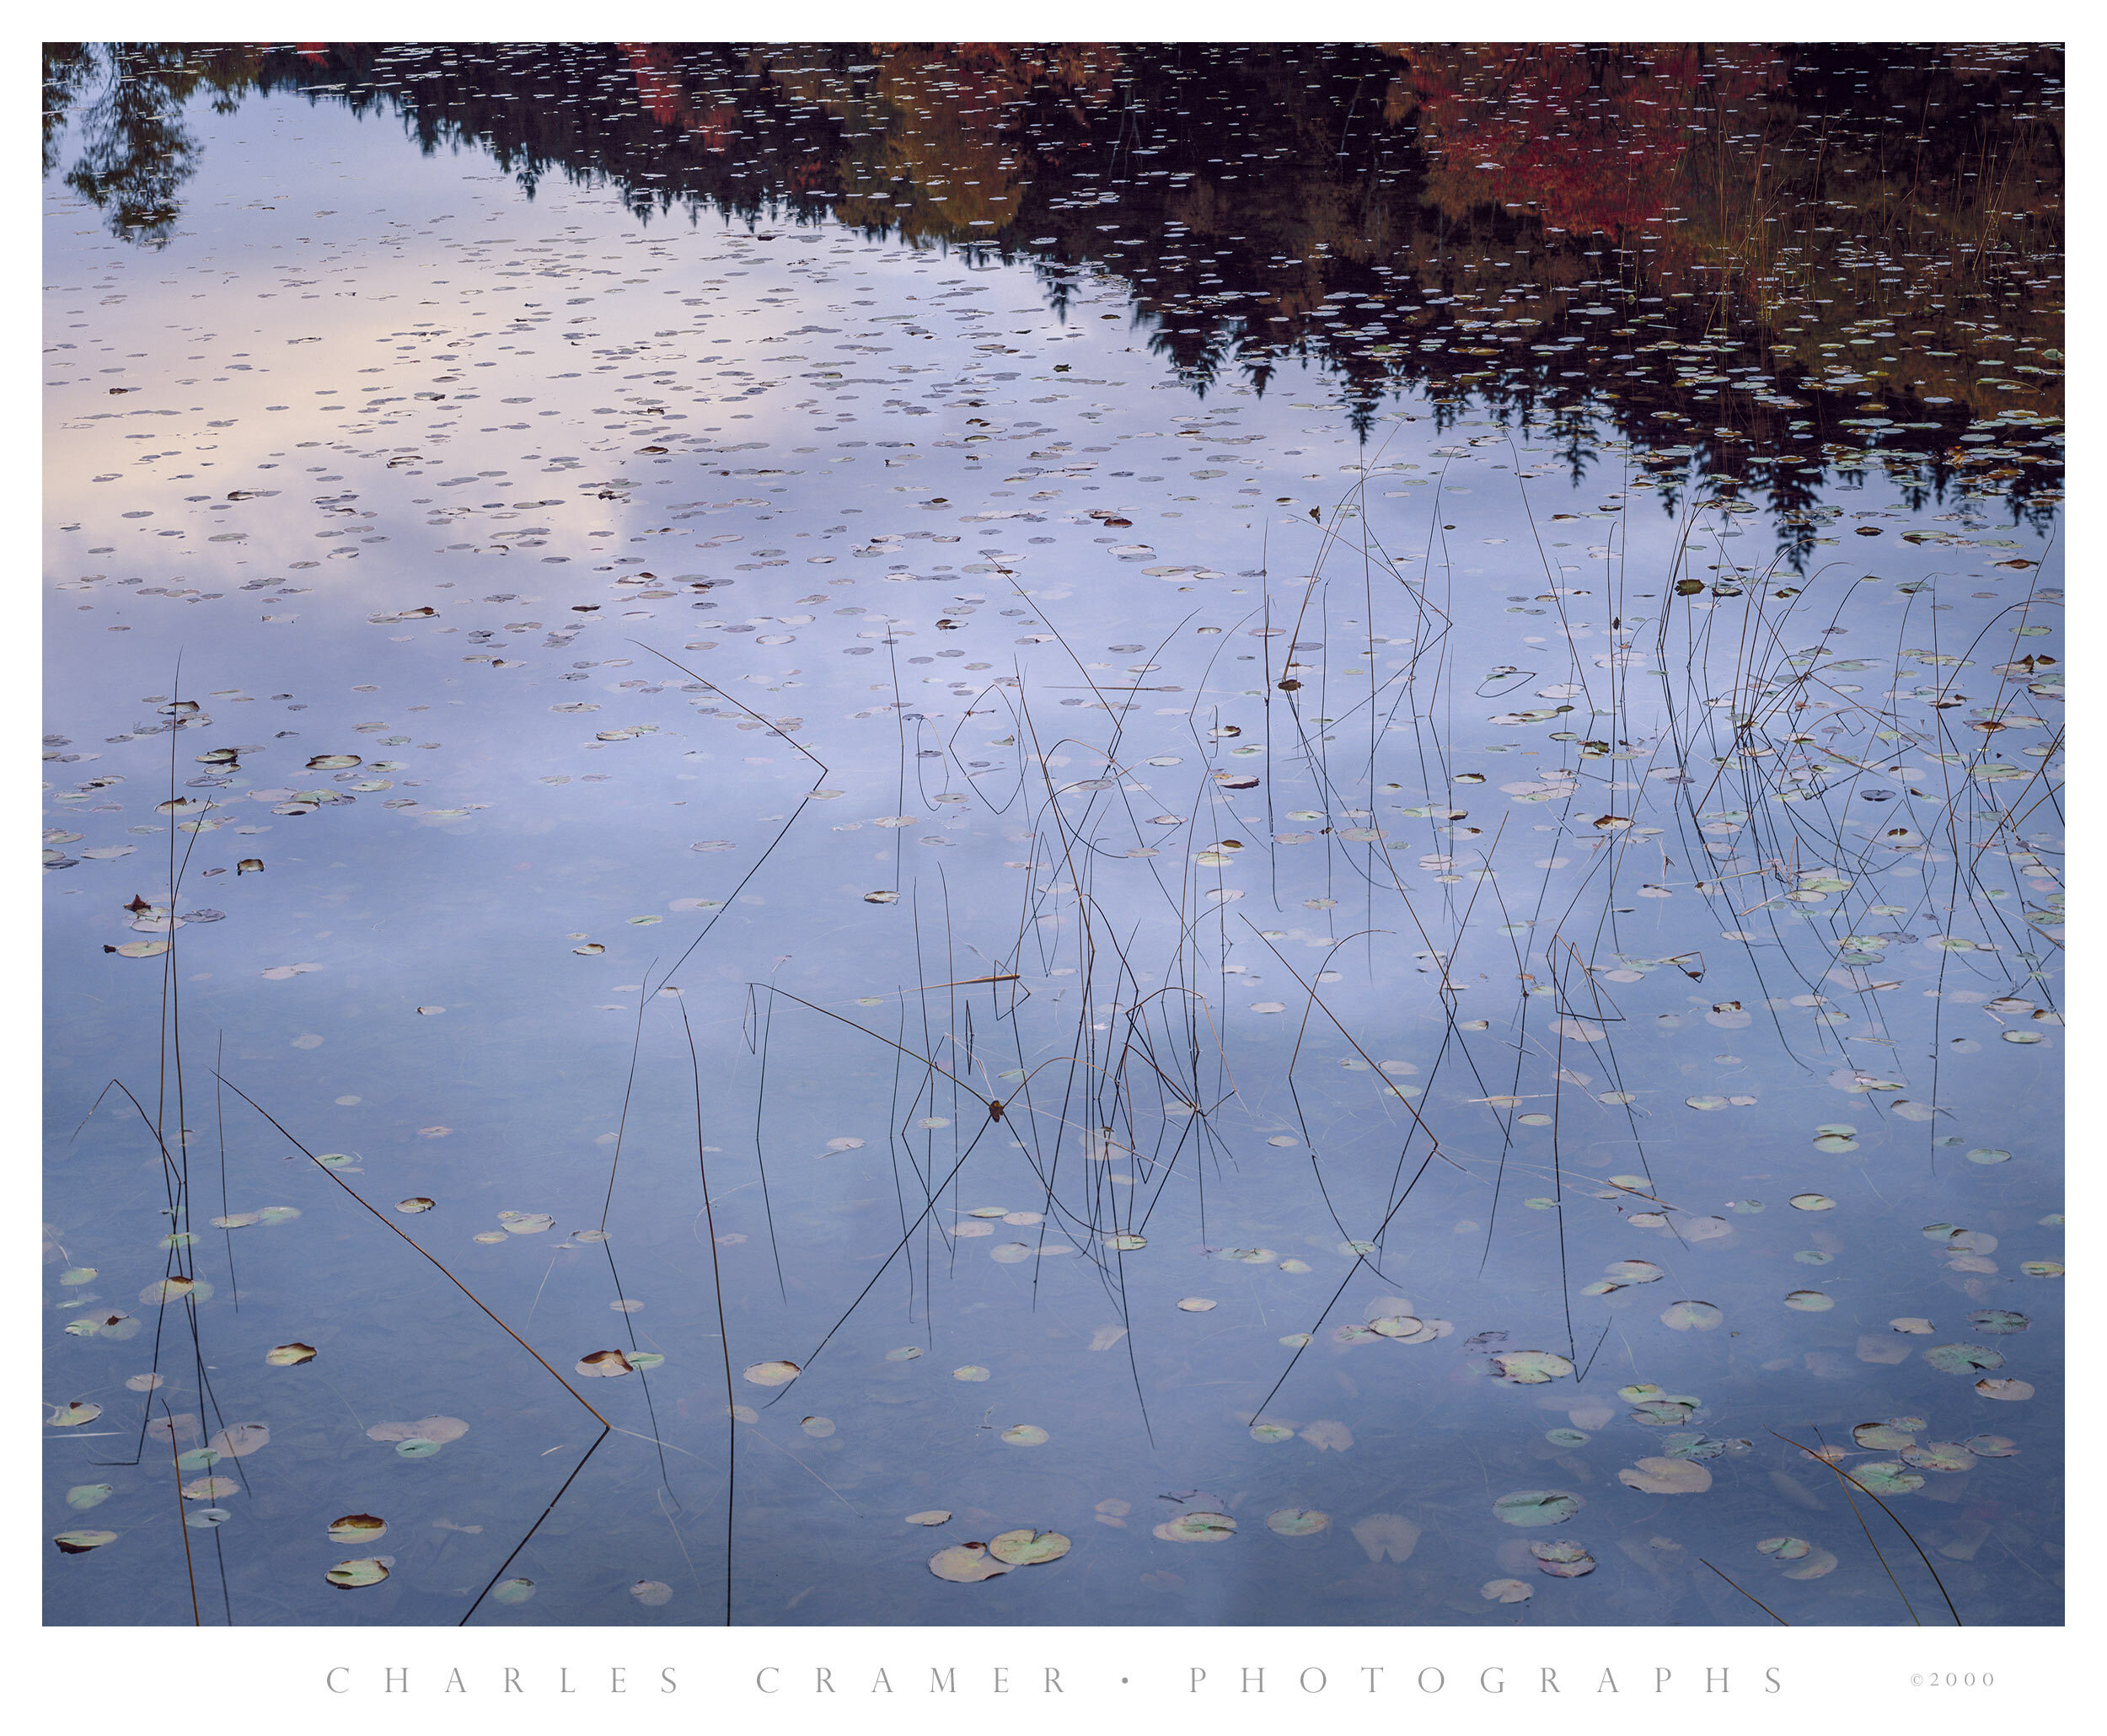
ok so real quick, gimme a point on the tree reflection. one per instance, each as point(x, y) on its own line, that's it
point(1726, 249)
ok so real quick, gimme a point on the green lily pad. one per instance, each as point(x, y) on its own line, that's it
point(1026, 1434)
point(289, 1355)
point(1886, 1478)
point(1562, 1559)
point(1889, 1436)
point(1937, 1455)
point(80, 1542)
point(1297, 1521)
point(1963, 1359)
point(1537, 1507)
point(1530, 1367)
point(512, 1591)
point(82, 1496)
point(771, 1373)
point(1809, 1301)
point(353, 1575)
point(1998, 1320)
point(1028, 1548)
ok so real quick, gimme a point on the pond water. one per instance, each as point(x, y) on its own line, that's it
point(1115, 851)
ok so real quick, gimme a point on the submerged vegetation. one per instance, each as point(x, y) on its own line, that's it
point(1488, 966)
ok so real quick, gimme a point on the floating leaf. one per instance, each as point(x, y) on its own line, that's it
point(1196, 1304)
point(1809, 1301)
point(2011, 1391)
point(1666, 1476)
point(288, 1356)
point(238, 1440)
point(1196, 1527)
point(972, 1371)
point(351, 1575)
point(1692, 1316)
point(1028, 1548)
point(1026, 1434)
point(1989, 1446)
point(965, 1564)
point(1297, 1521)
point(80, 1542)
point(1786, 1549)
point(1329, 1437)
point(1530, 1367)
point(818, 1428)
point(358, 1528)
point(1537, 1507)
point(1998, 1320)
point(930, 1516)
point(72, 1415)
point(1812, 1203)
point(416, 1202)
point(1887, 1476)
point(1948, 1456)
point(1963, 1359)
point(1505, 1591)
point(652, 1593)
point(771, 1373)
point(1564, 1560)
point(604, 1364)
point(1390, 1534)
point(82, 1496)
point(210, 1488)
point(512, 1591)
point(426, 1428)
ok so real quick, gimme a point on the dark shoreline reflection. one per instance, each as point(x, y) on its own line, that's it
point(1777, 263)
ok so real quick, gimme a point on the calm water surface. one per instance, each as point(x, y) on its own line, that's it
point(1298, 812)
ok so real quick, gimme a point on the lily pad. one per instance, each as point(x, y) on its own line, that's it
point(1537, 1507)
point(1028, 1548)
point(356, 1573)
point(1530, 1367)
point(1505, 1591)
point(1887, 1476)
point(1809, 1301)
point(426, 1428)
point(771, 1373)
point(1562, 1559)
point(1998, 1320)
point(930, 1516)
point(1024, 1434)
point(80, 1542)
point(1666, 1476)
point(1297, 1521)
point(1692, 1316)
point(1963, 1359)
point(965, 1564)
point(512, 1591)
point(603, 1365)
point(289, 1355)
point(1198, 1528)
point(358, 1528)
